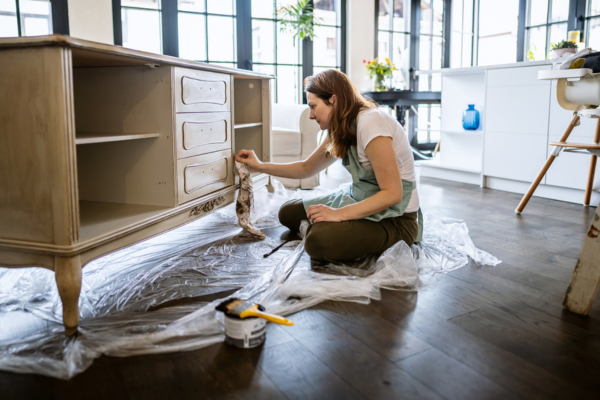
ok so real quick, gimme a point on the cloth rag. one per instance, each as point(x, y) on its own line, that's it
point(245, 201)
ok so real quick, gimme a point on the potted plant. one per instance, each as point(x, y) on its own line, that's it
point(378, 71)
point(564, 46)
point(299, 20)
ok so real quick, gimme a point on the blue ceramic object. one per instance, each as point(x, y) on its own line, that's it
point(471, 118)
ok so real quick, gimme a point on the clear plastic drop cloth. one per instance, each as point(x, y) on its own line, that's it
point(148, 298)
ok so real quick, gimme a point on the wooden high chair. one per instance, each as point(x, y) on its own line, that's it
point(577, 90)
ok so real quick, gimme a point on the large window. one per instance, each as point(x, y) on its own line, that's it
point(196, 18)
point(497, 39)
point(25, 18)
point(276, 52)
point(546, 25)
point(236, 33)
point(393, 34)
point(462, 33)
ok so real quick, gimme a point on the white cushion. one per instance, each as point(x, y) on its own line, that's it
point(286, 142)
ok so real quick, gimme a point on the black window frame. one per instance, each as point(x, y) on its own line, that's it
point(243, 38)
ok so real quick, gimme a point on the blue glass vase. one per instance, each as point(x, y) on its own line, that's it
point(471, 118)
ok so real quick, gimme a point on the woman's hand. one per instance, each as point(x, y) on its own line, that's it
point(249, 158)
point(321, 213)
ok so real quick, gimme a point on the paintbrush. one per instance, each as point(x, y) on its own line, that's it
point(244, 309)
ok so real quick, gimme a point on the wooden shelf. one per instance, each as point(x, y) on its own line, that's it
point(250, 125)
point(101, 218)
point(89, 138)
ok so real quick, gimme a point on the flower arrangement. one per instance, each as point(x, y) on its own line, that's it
point(379, 71)
point(564, 44)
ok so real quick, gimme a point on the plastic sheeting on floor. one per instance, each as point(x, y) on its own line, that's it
point(144, 299)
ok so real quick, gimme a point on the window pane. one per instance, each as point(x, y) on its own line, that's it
point(191, 5)
point(426, 14)
point(558, 32)
point(467, 51)
point(220, 39)
point(560, 11)
point(595, 7)
point(456, 53)
point(8, 25)
point(262, 8)
point(384, 45)
point(423, 83)
point(151, 4)
point(288, 81)
point(468, 16)
point(384, 14)
point(327, 11)
point(497, 31)
point(220, 7)
point(594, 40)
point(401, 16)
point(538, 13)
point(436, 55)
point(141, 29)
point(36, 19)
point(265, 69)
point(325, 47)
point(436, 86)
point(537, 44)
point(263, 47)
point(400, 59)
point(288, 52)
point(192, 36)
point(438, 17)
point(425, 53)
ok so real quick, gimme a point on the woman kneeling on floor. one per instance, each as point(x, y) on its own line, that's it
point(381, 207)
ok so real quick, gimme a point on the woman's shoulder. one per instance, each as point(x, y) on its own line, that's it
point(372, 115)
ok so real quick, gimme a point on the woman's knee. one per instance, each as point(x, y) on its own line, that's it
point(290, 214)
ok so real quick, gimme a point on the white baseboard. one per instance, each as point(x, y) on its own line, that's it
point(449, 174)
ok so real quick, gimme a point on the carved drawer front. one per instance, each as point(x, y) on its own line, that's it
point(199, 133)
point(204, 174)
point(201, 91)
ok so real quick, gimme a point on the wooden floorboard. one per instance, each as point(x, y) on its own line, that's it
point(475, 333)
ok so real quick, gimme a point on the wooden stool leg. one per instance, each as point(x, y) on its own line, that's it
point(67, 271)
point(586, 277)
point(590, 182)
point(547, 165)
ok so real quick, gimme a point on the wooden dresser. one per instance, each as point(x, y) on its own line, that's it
point(102, 147)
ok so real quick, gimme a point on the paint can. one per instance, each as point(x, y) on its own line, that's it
point(245, 333)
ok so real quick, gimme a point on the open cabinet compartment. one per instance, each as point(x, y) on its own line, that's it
point(124, 125)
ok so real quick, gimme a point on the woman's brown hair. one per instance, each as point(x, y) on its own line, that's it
point(349, 102)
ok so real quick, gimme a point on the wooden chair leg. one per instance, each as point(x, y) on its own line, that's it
point(590, 182)
point(67, 271)
point(586, 277)
point(547, 165)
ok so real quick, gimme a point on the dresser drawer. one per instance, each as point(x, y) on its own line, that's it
point(199, 133)
point(200, 175)
point(201, 91)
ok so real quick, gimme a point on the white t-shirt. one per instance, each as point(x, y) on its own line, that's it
point(372, 123)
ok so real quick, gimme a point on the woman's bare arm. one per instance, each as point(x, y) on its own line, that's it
point(317, 162)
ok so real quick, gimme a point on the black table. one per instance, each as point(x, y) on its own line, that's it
point(401, 100)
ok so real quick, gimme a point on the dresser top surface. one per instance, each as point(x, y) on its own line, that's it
point(92, 54)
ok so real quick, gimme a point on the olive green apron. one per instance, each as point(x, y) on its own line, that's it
point(364, 185)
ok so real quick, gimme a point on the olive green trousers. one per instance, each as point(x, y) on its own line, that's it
point(349, 240)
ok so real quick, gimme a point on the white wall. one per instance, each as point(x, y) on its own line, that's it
point(360, 40)
point(91, 20)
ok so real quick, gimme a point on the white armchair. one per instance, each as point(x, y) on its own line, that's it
point(294, 139)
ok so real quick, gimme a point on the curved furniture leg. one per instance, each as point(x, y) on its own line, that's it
point(67, 271)
point(574, 122)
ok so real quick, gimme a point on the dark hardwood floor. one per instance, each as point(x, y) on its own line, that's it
point(476, 333)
